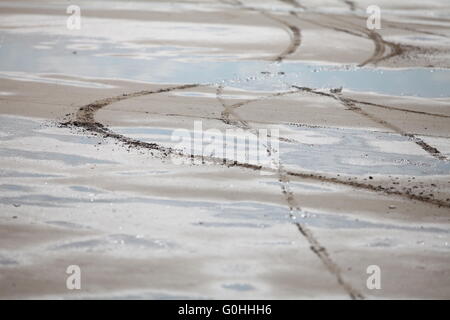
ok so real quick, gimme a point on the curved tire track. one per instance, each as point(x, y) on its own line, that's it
point(381, 46)
point(315, 246)
point(84, 119)
point(293, 31)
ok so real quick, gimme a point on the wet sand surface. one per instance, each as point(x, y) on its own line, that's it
point(90, 174)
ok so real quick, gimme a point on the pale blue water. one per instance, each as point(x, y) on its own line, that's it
point(110, 60)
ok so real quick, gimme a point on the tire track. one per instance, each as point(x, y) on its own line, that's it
point(294, 35)
point(425, 146)
point(381, 46)
point(431, 114)
point(229, 109)
point(399, 25)
point(351, 104)
point(394, 26)
point(86, 115)
point(294, 3)
point(84, 119)
point(378, 56)
point(292, 30)
point(319, 250)
point(395, 49)
point(297, 124)
point(351, 4)
point(368, 187)
point(225, 115)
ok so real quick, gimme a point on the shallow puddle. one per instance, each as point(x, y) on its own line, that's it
point(126, 208)
point(327, 150)
point(359, 152)
point(31, 192)
point(35, 58)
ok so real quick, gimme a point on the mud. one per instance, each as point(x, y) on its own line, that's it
point(88, 176)
point(85, 119)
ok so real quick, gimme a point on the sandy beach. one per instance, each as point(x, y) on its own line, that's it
point(225, 149)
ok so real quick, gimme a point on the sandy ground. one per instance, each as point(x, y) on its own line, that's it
point(91, 176)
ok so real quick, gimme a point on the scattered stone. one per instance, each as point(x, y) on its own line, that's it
point(336, 90)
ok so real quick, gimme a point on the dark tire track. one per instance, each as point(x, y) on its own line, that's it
point(351, 104)
point(320, 251)
point(394, 26)
point(283, 177)
point(398, 108)
point(229, 109)
point(381, 46)
point(225, 115)
point(84, 119)
point(431, 150)
point(425, 146)
point(294, 3)
point(294, 35)
point(370, 187)
point(350, 4)
point(292, 30)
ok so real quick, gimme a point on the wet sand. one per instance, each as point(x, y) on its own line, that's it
point(91, 177)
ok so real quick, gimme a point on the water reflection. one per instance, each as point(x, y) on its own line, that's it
point(22, 57)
